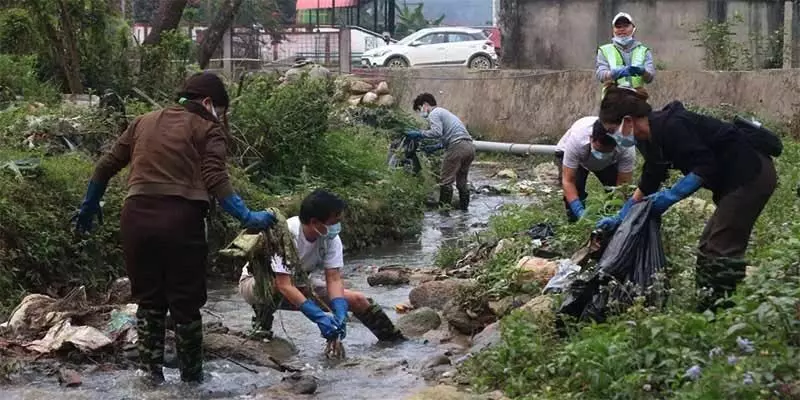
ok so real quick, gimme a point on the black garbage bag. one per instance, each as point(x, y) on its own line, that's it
point(541, 231)
point(626, 270)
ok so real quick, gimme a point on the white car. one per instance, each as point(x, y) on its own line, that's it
point(435, 47)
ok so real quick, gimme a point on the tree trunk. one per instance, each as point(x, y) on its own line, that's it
point(166, 19)
point(213, 36)
point(72, 60)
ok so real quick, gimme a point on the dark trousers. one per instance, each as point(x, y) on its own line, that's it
point(727, 233)
point(164, 244)
point(607, 176)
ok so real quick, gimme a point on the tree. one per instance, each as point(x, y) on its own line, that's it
point(167, 19)
point(213, 36)
point(410, 21)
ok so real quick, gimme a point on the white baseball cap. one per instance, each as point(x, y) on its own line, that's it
point(620, 16)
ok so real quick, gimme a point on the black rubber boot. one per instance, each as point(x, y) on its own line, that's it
point(376, 320)
point(445, 196)
point(151, 330)
point(262, 321)
point(463, 199)
point(716, 279)
point(189, 346)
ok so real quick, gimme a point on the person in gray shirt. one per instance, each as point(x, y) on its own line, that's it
point(459, 151)
point(587, 147)
point(625, 60)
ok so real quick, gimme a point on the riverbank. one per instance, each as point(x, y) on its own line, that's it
point(747, 352)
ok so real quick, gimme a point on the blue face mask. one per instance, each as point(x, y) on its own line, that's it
point(623, 140)
point(333, 230)
point(623, 41)
point(599, 155)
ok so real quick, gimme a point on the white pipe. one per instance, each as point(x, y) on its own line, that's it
point(514, 148)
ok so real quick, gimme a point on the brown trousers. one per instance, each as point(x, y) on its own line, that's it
point(165, 249)
point(727, 232)
point(455, 166)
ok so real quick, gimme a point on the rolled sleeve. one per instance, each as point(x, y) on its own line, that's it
point(213, 165)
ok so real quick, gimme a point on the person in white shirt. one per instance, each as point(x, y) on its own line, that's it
point(588, 147)
point(315, 237)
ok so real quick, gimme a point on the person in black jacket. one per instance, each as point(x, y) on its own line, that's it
point(710, 153)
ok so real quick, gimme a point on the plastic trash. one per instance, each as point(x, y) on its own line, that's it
point(626, 270)
point(85, 338)
point(565, 274)
point(541, 231)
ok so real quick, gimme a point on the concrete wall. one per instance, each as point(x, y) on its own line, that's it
point(563, 34)
point(525, 106)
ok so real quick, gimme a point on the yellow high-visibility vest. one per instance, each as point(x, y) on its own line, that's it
point(614, 58)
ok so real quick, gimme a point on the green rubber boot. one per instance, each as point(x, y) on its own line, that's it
point(262, 321)
point(376, 320)
point(189, 346)
point(716, 279)
point(151, 330)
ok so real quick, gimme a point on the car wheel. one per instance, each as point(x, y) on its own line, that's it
point(480, 62)
point(397, 62)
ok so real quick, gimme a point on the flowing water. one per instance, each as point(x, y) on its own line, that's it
point(371, 371)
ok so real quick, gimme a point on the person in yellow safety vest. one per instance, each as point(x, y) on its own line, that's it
point(626, 60)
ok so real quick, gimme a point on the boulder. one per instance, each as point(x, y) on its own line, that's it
point(264, 354)
point(355, 100)
point(501, 245)
point(369, 98)
point(360, 87)
point(69, 378)
point(465, 321)
point(535, 269)
point(295, 386)
point(487, 338)
point(119, 292)
point(547, 173)
point(418, 322)
point(435, 294)
point(503, 306)
point(382, 89)
point(540, 306)
point(386, 100)
point(391, 277)
point(507, 174)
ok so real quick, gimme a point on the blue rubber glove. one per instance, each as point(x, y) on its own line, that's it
point(327, 325)
point(635, 70)
point(576, 206)
point(413, 134)
point(433, 148)
point(611, 223)
point(89, 207)
point(684, 187)
point(234, 205)
point(621, 72)
point(339, 306)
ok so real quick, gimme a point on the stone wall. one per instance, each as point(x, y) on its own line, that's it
point(564, 34)
point(527, 106)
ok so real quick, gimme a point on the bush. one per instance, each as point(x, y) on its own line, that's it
point(18, 74)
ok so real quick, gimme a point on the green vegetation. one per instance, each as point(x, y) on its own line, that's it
point(747, 352)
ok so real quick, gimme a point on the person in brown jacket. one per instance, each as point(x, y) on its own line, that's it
point(177, 159)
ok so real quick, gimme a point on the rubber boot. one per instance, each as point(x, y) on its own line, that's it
point(189, 346)
point(463, 199)
point(376, 320)
point(716, 279)
point(445, 196)
point(262, 321)
point(151, 330)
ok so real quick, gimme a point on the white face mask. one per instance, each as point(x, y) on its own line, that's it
point(214, 111)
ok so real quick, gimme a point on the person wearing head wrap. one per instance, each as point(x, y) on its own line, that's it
point(625, 60)
point(177, 159)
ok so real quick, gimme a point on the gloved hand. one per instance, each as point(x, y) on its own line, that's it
point(636, 70)
point(621, 72)
point(611, 223)
point(684, 187)
point(327, 325)
point(234, 205)
point(576, 206)
point(339, 306)
point(430, 149)
point(90, 206)
point(414, 134)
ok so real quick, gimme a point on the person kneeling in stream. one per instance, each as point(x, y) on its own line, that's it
point(280, 275)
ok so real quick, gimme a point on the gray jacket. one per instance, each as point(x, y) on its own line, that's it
point(603, 66)
point(445, 126)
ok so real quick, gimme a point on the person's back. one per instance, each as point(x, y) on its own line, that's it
point(452, 128)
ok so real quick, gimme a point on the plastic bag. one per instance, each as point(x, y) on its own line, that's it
point(565, 274)
point(627, 269)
